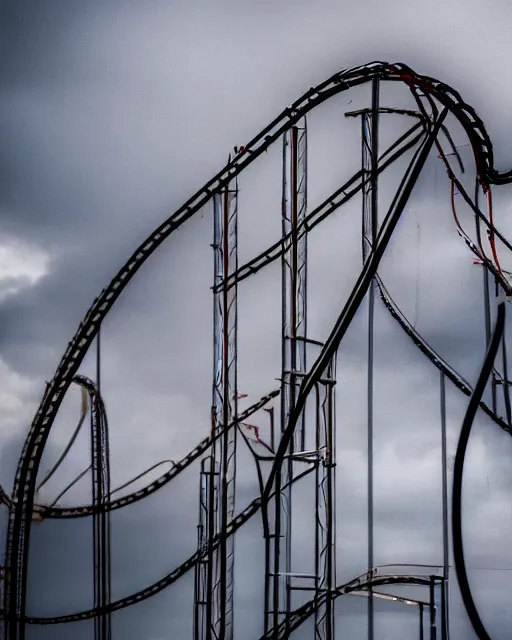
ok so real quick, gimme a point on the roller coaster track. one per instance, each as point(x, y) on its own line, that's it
point(181, 465)
point(359, 584)
point(86, 510)
point(254, 506)
point(320, 213)
point(425, 132)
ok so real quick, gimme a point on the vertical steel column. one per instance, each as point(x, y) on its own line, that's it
point(224, 410)
point(370, 151)
point(446, 558)
point(268, 534)
point(294, 288)
point(100, 477)
point(294, 268)
point(325, 518)
point(444, 609)
point(202, 593)
point(96, 527)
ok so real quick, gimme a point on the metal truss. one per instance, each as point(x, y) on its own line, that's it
point(301, 414)
point(214, 577)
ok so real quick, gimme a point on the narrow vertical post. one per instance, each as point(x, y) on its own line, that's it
point(294, 318)
point(433, 630)
point(224, 409)
point(106, 532)
point(444, 609)
point(198, 587)
point(269, 532)
point(211, 568)
point(331, 502)
point(421, 622)
point(446, 557)
point(95, 501)
point(370, 151)
point(371, 302)
point(96, 568)
point(202, 587)
point(294, 268)
point(325, 511)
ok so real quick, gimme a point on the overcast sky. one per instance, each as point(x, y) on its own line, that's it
point(111, 115)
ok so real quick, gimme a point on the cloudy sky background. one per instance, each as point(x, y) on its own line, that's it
point(111, 115)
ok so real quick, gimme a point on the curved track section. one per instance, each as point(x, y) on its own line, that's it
point(433, 356)
point(357, 585)
point(161, 481)
point(304, 612)
point(458, 470)
point(22, 501)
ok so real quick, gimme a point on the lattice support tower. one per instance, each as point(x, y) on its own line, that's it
point(208, 490)
point(370, 155)
point(218, 611)
point(294, 318)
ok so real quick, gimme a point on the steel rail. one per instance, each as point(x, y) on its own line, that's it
point(433, 356)
point(167, 580)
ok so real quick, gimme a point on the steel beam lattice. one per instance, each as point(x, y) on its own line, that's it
point(217, 610)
